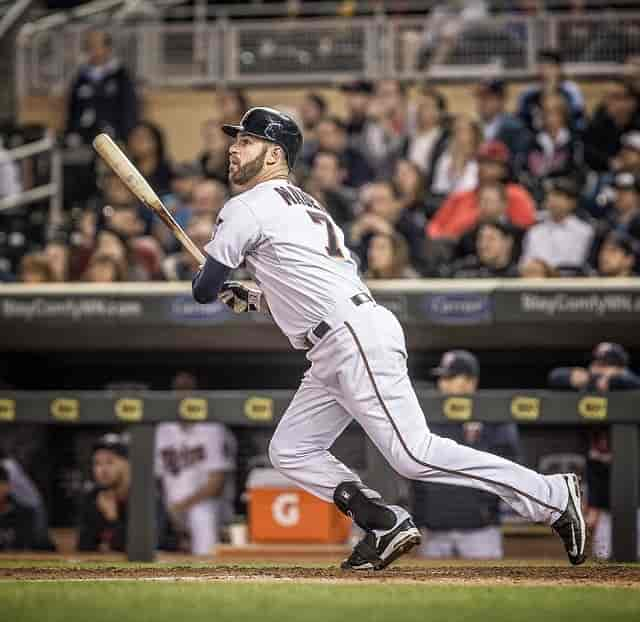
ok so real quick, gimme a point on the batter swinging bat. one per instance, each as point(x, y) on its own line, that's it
point(132, 179)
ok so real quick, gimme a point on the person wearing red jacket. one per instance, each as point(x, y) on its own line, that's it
point(460, 211)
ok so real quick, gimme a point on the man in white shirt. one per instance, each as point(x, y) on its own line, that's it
point(561, 239)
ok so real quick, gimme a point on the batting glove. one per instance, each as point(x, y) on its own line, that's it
point(240, 299)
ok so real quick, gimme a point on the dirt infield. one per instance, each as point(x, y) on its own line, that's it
point(595, 574)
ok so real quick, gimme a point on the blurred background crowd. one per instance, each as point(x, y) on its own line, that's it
point(534, 185)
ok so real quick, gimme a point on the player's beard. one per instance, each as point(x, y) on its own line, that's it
point(244, 174)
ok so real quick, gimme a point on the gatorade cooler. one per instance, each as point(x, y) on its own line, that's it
point(280, 512)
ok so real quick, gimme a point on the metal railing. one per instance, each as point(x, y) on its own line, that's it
point(298, 51)
point(51, 191)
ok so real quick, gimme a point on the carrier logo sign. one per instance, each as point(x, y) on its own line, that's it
point(129, 409)
point(285, 509)
point(525, 408)
point(458, 308)
point(458, 408)
point(193, 409)
point(65, 409)
point(593, 408)
point(259, 409)
point(7, 410)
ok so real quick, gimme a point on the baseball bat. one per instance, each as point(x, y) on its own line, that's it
point(133, 179)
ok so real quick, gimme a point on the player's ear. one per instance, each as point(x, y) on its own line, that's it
point(275, 155)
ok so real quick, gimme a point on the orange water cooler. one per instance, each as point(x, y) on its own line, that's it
point(280, 512)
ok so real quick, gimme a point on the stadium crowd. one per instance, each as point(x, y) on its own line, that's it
point(541, 189)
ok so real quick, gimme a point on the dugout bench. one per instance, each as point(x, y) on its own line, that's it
point(140, 411)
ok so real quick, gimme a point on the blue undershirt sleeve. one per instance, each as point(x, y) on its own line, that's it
point(207, 282)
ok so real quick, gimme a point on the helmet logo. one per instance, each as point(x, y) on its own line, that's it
point(273, 129)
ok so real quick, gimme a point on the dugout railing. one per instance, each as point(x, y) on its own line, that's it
point(141, 411)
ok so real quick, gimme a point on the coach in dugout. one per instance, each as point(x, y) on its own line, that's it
point(608, 371)
point(458, 521)
point(103, 518)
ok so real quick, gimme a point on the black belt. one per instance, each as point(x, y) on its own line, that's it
point(323, 328)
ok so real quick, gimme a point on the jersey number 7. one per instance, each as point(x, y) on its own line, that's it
point(333, 248)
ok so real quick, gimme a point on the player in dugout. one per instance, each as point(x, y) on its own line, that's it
point(309, 283)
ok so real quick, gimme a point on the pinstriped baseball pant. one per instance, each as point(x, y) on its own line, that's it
point(358, 371)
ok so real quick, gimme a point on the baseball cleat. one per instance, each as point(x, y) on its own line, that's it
point(571, 526)
point(379, 548)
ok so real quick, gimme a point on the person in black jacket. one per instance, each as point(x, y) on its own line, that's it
point(608, 371)
point(103, 518)
point(458, 521)
point(102, 97)
point(618, 114)
point(17, 522)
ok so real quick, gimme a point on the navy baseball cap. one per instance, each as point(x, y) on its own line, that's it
point(492, 86)
point(115, 443)
point(457, 363)
point(610, 354)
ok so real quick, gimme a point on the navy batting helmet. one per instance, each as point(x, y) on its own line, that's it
point(272, 125)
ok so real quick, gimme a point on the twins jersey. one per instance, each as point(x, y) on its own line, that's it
point(186, 454)
point(293, 250)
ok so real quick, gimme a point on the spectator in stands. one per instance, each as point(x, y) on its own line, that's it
point(460, 212)
point(391, 121)
point(618, 254)
point(561, 240)
point(146, 146)
point(112, 244)
point(209, 196)
point(432, 132)
point(617, 115)
point(388, 258)
point(551, 80)
point(231, 103)
point(35, 269)
point(331, 135)
point(600, 200)
point(408, 183)
point(17, 521)
point(325, 183)
point(102, 524)
point(102, 97)
point(181, 266)
point(498, 124)
point(357, 96)
point(312, 109)
point(495, 254)
point(195, 463)
point(57, 252)
point(9, 175)
point(556, 150)
point(214, 157)
point(383, 215)
point(462, 522)
point(626, 207)
point(103, 269)
point(456, 169)
point(185, 178)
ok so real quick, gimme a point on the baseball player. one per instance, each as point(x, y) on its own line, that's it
point(194, 461)
point(309, 283)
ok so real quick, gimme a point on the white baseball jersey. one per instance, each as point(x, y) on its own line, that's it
point(358, 367)
point(294, 251)
point(185, 455)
